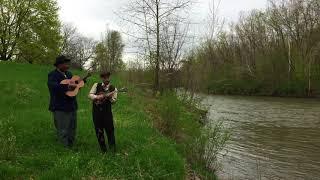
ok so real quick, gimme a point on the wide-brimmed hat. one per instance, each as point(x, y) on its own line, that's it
point(61, 60)
point(105, 74)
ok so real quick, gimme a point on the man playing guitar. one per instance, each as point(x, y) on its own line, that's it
point(61, 105)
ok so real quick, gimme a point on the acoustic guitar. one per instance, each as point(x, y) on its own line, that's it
point(77, 81)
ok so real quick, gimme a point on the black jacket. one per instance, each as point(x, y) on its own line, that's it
point(58, 100)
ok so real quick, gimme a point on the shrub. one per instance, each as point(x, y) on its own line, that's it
point(169, 108)
point(206, 148)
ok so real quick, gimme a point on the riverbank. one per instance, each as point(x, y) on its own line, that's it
point(183, 123)
point(256, 88)
point(30, 150)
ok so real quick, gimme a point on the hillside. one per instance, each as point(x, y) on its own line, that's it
point(28, 143)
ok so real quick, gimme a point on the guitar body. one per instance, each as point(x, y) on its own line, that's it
point(75, 80)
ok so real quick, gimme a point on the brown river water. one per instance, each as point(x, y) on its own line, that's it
point(271, 138)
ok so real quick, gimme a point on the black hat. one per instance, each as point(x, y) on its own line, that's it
point(105, 74)
point(61, 60)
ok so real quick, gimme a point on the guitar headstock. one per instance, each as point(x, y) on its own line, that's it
point(89, 74)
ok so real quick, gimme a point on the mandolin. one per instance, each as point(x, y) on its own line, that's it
point(108, 93)
point(76, 81)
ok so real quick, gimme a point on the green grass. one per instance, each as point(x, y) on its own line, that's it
point(29, 148)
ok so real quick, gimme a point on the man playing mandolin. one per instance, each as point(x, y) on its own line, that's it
point(62, 106)
point(103, 95)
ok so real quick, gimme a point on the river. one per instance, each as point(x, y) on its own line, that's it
point(271, 138)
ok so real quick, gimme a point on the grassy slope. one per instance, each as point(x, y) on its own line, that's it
point(142, 152)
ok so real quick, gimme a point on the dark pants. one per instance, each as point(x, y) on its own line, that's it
point(101, 139)
point(103, 123)
point(66, 124)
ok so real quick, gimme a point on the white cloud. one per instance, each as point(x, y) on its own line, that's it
point(90, 17)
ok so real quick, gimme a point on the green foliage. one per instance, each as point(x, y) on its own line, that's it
point(230, 86)
point(206, 148)
point(109, 53)
point(169, 108)
point(30, 30)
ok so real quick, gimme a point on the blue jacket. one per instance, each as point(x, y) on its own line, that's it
point(59, 101)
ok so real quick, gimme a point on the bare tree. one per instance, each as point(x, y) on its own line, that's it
point(173, 40)
point(173, 43)
point(150, 17)
point(70, 34)
point(215, 23)
point(78, 47)
point(85, 51)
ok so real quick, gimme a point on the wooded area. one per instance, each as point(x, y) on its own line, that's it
point(270, 52)
point(274, 51)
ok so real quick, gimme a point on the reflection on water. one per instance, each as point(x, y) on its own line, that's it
point(272, 138)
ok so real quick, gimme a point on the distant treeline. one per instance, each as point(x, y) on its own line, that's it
point(271, 52)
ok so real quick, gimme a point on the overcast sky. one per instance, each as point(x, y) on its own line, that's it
point(92, 17)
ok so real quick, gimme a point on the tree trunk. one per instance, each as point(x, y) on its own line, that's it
point(4, 58)
point(156, 81)
point(289, 63)
point(309, 78)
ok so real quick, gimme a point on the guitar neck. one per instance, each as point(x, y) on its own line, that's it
point(86, 77)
